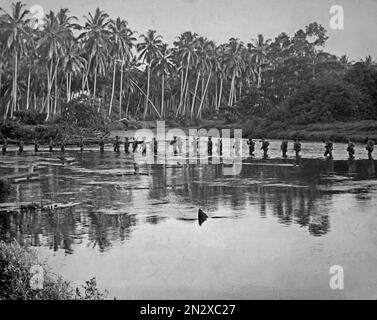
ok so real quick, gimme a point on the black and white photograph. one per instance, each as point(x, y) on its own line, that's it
point(191, 150)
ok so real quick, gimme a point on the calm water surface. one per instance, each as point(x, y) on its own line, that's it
point(273, 231)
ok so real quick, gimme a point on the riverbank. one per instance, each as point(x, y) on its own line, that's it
point(23, 276)
point(316, 132)
point(255, 127)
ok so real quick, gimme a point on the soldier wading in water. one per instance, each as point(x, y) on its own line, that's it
point(284, 148)
point(264, 147)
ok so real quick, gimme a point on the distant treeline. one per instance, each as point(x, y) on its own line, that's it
point(43, 68)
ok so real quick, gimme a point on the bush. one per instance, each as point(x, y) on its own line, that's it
point(15, 276)
point(5, 187)
point(328, 100)
point(83, 111)
point(30, 117)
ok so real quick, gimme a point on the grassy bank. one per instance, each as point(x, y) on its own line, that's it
point(336, 131)
point(16, 278)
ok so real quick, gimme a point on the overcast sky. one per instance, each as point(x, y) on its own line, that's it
point(244, 19)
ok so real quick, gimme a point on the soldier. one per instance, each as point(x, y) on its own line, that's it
point(155, 145)
point(264, 147)
point(126, 145)
point(195, 145)
point(5, 145)
point(284, 148)
point(328, 149)
point(237, 146)
point(369, 147)
point(251, 145)
point(297, 147)
point(179, 144)
point(143, 147)
point(219, 146)
point(62, 146)
point(81, 144)
point(101, 144)
point(116, 144)
point(36, 145)
point(51, 144)
point(351, 149)
point(174, 144)
point(209, 146)
point(135, 143)
point(20, 145)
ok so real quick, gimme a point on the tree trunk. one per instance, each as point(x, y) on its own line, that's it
point(28, 91)
point(221, 91)
point(193, 99)
point(95, 81)
point(56, 91)
point(121, 91)
point(204, 94)
point(162, 94)
point(147, 100)
point(14, 106)
point(112, 90)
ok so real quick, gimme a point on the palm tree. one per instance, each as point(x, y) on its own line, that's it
point(258, 48)
point(121, 38)
point(234, 65)
point(96, 39)
point(165, 66)
point(185, 47)
point(14, 32)
point(73, 63)
point(52, 47)
point(150, 50)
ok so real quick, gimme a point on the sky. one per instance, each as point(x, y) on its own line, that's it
point(220, 20)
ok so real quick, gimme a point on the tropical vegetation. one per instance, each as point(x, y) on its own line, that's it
point(44, 67)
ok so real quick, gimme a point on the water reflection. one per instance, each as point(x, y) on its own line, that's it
point(113, 202)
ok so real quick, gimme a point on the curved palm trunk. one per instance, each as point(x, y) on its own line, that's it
point(193, 99)
point(56, 91)
point(147, 100)
point(28, 91)
point(112, 91)
point(95, 81)
point(144, 94)
point(14, 103)
point(221, 91)
point(204, 94)
point(162, 94)
point(121, 92)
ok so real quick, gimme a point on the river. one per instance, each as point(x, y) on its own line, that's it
point(273, 231)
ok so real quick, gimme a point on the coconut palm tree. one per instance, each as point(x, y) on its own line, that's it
point(185, 50)
point(121, 39)
point(95, 37)
point(149, 50)
point(52, 47)
point(13, 35)
point(258, 49)
point(73, 63)
point(234, 65)
point(165, 66)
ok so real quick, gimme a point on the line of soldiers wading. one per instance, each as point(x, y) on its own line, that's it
point(177, 145)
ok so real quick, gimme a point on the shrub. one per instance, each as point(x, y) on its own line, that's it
point(5, 187)
point(30, 117)
point(83, 111)
point(15, 276)
point(328, 100)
